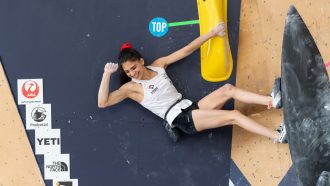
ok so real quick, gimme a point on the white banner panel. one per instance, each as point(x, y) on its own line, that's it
point(69, 182)
point(38, 116)
point(57, 166)
point(48, 141)
point(29, 91)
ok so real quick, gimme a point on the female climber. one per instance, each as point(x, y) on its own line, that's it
point(151, 87)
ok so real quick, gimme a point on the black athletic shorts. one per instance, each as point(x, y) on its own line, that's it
point(184, 120)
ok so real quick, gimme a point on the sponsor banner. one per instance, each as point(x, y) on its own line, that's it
point(57, 166)
point(48, 141)
point(29, 91)
point(69, 182)
point(38, 116)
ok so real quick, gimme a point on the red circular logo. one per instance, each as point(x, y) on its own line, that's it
point(30, 89)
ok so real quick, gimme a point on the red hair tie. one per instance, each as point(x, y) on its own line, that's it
point(126, 46)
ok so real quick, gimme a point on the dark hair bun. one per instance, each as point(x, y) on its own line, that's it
point(128, 53)
point(126, 46)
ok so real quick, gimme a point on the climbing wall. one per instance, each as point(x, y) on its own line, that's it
point(17, 160)
point(259, 62)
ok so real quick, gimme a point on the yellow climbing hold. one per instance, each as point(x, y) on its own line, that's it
point(216, 57)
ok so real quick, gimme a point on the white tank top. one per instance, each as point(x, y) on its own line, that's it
point(160, 94)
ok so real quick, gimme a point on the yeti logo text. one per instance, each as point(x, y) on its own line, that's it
point(30, 89)
point(48, 141)
point(57, 167)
